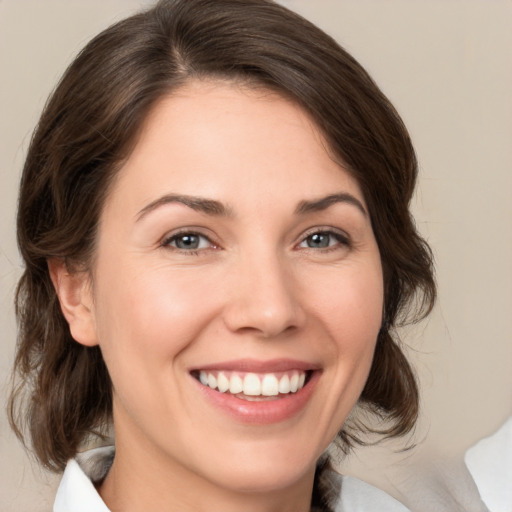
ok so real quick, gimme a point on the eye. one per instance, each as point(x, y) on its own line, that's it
point(324, 240)
point(188, 241)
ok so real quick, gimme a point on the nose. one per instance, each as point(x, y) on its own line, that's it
point(263, 299)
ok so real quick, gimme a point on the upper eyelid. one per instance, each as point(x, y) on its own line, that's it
point(192, 230)
point(325, 229)
point(170, 236)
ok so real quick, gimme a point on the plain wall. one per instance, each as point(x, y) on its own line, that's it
point(447, 67)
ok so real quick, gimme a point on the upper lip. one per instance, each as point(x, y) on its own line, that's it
point(259, 366)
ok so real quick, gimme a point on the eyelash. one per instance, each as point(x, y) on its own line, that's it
point(186, 233)
point(341, 239)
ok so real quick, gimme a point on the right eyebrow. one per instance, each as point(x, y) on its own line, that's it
point(200, 204)
point(325, 202)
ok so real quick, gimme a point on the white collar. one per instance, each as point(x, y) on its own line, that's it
point(76, 491)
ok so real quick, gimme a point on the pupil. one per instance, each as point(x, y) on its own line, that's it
point(187, 242)
point(319, 240)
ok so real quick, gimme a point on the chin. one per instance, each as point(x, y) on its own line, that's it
point(263, 469)
point(271, 476)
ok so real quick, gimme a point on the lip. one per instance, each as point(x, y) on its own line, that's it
point(255, 366)
point(263, 412)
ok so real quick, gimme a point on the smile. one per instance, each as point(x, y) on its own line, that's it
point(258, 392)
point(248, 385)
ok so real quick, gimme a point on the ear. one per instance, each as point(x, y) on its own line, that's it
point(75, 298)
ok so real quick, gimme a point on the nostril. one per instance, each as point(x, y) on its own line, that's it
point(263, 320)
point(267, 333)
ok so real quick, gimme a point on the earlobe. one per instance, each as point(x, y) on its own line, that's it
point(75, 297)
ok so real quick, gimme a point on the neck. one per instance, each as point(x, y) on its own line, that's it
point(142, 480)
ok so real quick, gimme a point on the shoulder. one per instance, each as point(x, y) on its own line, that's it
point(490, 464)
point(358, 496)
point(354, 495)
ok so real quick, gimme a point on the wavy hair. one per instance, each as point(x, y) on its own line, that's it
point(62, 390)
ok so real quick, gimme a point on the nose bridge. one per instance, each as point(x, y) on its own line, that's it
point(264, 298)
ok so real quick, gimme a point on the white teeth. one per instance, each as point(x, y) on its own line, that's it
point(284, 384)
point(222, 383)
point(236, 385)
point(252, 384)
point(269, 385)
point(212, 381)
point(294, 382)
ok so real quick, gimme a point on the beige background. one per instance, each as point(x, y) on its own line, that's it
point(447, 66)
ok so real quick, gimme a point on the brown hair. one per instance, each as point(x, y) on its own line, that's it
point(89, 126)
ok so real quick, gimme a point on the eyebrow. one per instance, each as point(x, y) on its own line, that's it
point(216, 208)
point(325, 202)
point(200, 204)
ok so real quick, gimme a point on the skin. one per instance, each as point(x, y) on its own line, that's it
point(256, 288)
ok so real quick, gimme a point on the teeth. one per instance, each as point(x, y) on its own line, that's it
point(294, 382)
point(284, 384)
point(222, 383)
point(252, 384)
point(269, 385)
point(236, 385)
point(212, 381)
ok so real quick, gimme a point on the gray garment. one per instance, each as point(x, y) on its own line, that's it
point(490, 464)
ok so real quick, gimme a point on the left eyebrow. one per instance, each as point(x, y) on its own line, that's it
point(200, 204)
point(325, 202)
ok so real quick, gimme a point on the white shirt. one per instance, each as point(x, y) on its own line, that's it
point(490, 465)
point(77, 493)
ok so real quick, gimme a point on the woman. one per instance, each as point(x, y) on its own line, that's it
point(214, 220)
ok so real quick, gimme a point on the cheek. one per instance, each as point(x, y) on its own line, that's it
point(152, 315)
point(351, 314)
point(353, 308)
point(145, 324)
point(364, 320)
point(354, 318)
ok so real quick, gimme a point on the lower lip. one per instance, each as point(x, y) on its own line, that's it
point(263, 412)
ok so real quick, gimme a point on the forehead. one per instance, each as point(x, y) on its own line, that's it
point(213, 138)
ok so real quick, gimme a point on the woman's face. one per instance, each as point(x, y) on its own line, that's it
point(233, 253)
